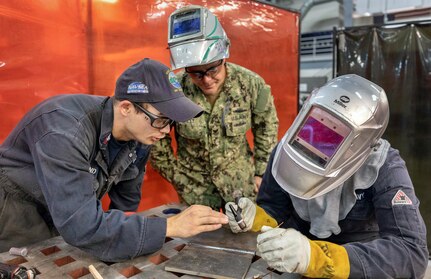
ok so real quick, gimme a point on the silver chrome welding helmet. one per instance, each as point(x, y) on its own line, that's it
point(196, 37)
point(331, 137)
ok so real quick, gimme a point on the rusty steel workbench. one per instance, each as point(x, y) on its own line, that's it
point(53, 258)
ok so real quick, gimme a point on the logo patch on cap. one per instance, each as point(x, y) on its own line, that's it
point(137, 87)
point(401, 198)
point(173, 80)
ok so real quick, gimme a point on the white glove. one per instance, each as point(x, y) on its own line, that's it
point(248, 213)
point(286, 250)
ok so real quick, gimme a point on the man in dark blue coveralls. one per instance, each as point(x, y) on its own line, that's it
point(341, 195)
point(70, 150)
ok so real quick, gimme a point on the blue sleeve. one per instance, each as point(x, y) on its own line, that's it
point(401, 249)
point(61, 164)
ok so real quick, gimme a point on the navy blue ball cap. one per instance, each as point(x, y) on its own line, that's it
point(149, 81)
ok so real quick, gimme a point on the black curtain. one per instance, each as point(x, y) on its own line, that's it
point(397, 57)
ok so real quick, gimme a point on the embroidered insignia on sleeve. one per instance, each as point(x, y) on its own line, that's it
point(401, 198)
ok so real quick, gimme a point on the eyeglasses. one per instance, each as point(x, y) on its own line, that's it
point(158, 122)
point(211, 72)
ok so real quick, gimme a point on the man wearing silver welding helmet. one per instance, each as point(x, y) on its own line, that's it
point(214, 159)
point(336, 200)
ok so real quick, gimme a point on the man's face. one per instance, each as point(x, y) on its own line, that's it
point(209, 77)
point(136, 124)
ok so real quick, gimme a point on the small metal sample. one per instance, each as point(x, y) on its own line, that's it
point(18, 251)
point(238, 217)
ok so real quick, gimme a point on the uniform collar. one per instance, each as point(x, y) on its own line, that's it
point(106, 123)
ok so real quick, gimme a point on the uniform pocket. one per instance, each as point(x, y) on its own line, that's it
point(237, 122)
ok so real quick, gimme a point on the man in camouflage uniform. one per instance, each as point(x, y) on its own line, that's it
point(213, 158)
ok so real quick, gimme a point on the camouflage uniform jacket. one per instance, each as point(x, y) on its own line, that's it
point(213, 155)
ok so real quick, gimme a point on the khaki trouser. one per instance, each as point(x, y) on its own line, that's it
point(20, 221)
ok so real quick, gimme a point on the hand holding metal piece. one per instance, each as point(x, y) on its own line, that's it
point(237, 213)
point(241, 214)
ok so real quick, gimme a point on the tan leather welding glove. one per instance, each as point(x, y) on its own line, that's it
point(253, 216)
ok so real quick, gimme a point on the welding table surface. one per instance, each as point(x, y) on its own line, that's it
point(53, 258)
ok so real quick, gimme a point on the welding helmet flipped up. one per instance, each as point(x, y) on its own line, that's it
point(331, 137)
point(195, 37)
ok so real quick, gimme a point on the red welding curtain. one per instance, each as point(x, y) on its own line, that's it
point(397, 57)
point(82, 46)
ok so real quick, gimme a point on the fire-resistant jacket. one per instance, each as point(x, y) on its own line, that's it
point(384, 233)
